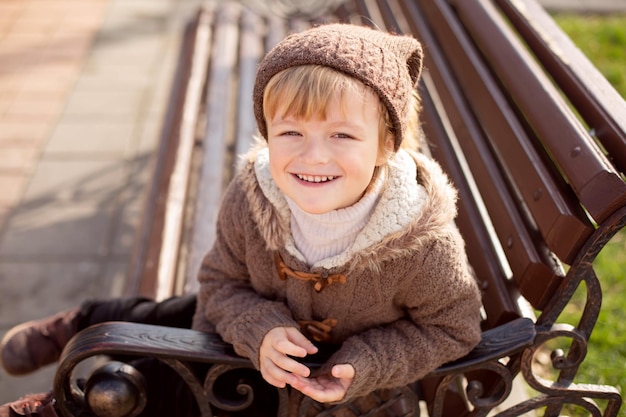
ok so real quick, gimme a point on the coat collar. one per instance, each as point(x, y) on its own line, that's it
point(416, 201)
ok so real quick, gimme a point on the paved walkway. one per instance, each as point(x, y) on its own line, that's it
point(586, 6)
point(83, 90)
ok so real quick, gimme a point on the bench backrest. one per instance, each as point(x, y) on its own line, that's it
point(529, 131)
point(514, 124)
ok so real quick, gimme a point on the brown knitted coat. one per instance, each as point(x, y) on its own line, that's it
point(408, 303)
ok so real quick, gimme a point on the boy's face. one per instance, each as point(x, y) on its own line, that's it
point(327, 164)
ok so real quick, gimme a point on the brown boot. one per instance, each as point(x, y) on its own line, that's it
point(29, 346)
point(36, 405)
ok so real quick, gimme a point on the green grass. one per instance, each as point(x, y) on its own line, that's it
point(603, 40)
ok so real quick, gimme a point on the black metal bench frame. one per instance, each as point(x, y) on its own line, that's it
point(532, 135)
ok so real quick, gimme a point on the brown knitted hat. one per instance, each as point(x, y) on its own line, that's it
point(389, 64)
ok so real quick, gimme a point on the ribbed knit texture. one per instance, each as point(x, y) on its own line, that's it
point(321, 236)
point(408, 305)
point(389, 64)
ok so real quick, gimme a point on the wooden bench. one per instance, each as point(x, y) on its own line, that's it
point(531, 134)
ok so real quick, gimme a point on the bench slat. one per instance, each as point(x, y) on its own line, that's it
point(525, 172)
point(574, 151)
point(499, 299)
point(595, 99)
point(218, 134)
point(501, 306)
point(250, 54)
point(532, 268)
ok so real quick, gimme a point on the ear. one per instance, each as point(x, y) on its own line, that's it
point(386, 151)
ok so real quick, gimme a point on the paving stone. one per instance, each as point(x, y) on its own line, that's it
point(586, 6)
point(14, 387)
point(15, 131)
point(52, 231)
point(44, 288)
point(98, 76)
point(128, 50)
point(12, 186)
point(124, 104)
point(9, 81)
point(125, 232)
point(77, 179)
point(6, 98)
point(5, 212)
point(116, 273)
point(102, 137)
point(33, 106)
point(17, 159)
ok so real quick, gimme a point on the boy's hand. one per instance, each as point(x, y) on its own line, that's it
point(327, 388)
point(277, 368)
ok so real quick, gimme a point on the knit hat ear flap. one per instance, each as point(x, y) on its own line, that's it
point(389, 64)
point(415, 63)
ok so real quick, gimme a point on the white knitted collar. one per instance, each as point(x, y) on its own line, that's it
point(399, 204)
point(320, 236)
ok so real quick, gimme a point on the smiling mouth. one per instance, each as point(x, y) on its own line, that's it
point(315, 178)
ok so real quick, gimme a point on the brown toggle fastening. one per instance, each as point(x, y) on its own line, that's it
point(318, 330)
point(321, 281)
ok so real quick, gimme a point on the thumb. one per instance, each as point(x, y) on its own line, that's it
point(345, 371)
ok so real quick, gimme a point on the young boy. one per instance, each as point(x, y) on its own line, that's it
point(332, 233)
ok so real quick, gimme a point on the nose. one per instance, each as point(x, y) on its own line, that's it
point(315, 151)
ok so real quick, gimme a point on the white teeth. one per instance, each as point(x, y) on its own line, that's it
point(315, 178)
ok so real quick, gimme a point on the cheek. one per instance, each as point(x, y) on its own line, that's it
point(362, 167)
point(278, 162)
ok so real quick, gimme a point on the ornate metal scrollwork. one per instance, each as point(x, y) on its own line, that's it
point(554, 395)
point(481, 397)
point(476, 393)
point(231, 389)
point(245, 390)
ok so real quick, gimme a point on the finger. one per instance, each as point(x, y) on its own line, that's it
point(291, 365)
point(288, 347)
point(274, 375)
point(296, 337)
point(319, 392)
point(345, 371)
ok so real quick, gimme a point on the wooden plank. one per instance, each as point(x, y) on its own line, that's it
point(531, 266)
point(525, 170)
point(144, 267)
point(594, 97)
point(218, 135)
point(499, 300)
point(177, 197)
point(574, 151)
point(251, 52)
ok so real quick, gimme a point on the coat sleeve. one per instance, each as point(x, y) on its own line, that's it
point(442, 323)
point(227, 301)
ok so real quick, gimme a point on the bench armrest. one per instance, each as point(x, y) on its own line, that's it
point(181, 348)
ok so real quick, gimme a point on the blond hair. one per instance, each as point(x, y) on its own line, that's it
point(305, 91)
